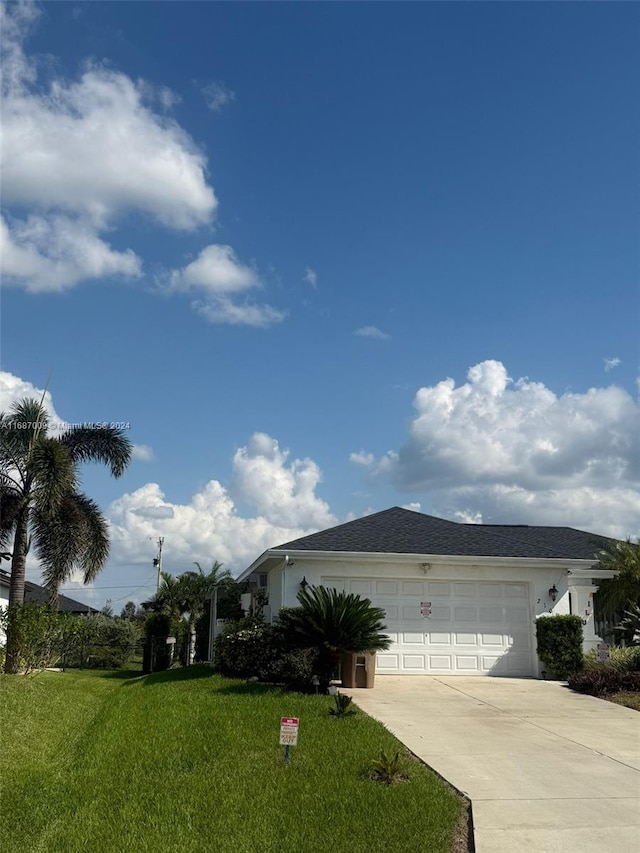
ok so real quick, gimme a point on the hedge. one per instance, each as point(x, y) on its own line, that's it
point(560, 644)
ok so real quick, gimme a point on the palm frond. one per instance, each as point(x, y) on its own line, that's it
point(11, 502)
point(53, 474)
point(100, 444)
point(336, 621)
point(74, 538)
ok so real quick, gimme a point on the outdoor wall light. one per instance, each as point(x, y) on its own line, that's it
point(553, 593)
point(304, 583)
point(425, 567)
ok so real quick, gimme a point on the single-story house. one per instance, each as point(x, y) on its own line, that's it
point(459, 599)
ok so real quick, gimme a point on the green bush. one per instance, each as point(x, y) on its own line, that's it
point(622, 660)
point(560, 644)
point(100, 642)
point(293, 668)
point(245, 648)
point(604, 682)
point(40, 633)
point(249, 648)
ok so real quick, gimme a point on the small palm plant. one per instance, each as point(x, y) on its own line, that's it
point(342, 709)
point(333, 623)
point(388, 769)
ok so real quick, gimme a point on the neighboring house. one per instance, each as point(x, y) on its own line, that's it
point(459, 599)
point(34, 594)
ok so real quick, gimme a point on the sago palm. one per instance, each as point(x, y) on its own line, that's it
point(333, 623)
point(40, 501)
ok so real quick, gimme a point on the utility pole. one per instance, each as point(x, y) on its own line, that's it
point(157, 561)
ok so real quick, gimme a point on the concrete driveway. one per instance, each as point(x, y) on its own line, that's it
point(546, 769)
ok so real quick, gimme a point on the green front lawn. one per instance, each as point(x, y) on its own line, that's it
point(189, 761)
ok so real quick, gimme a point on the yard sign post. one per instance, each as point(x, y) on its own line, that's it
point(288, 734)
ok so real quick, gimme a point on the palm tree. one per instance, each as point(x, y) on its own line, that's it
point(187, 595)
point(169, 597)
point(198, 588)
point(334, 623)
point(624, 589)
point(40, 501)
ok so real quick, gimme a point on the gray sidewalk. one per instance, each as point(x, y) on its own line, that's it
point(546, 769)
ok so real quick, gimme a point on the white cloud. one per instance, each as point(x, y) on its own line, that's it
point(217, 95)
point(311, 277)
point(238, 313)
point(13, 389)
point(610, 363)
point(371, 332)
point(285, 494)
point(142, 453)
point(515, 451)
point(362, 458)
point(55, 253)
point(217, 271)
point(80, 154)
point(219, 277)
point(281, 495)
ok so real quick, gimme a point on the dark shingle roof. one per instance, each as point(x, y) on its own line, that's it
point(403, 531)
point(34, 594)
point(579, 543)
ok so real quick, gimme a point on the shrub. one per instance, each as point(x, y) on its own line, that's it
point(40, 633)
point(293, 668)
point(604, 682)
point(560, 644)
point(622, 660)
point(100, 642)
point(245, 648)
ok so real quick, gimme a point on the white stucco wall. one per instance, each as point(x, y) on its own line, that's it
point(540, 576)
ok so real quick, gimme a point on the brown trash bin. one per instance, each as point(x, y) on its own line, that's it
point(358, 669)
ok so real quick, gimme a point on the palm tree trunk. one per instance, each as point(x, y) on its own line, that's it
point(16, 590)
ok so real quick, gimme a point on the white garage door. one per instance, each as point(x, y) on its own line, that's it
point(450, 628)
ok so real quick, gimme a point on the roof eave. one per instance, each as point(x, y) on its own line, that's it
point(382, 557)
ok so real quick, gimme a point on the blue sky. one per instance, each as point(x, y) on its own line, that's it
point(325, 259)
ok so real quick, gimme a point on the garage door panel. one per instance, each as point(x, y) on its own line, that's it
point(517, 615)
point(438, 588)
point(438, 638)
point(387, 662)
point(492, 639)
point(516, 590)
point(466, 639)
point(441, 663)
point(439, 613)
point(467, 663)
point(387, 588)
point(415, 662)
point(413, 637)
point(493, 615)
point(464, 614)
point(412, 588)
point(465, 590)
